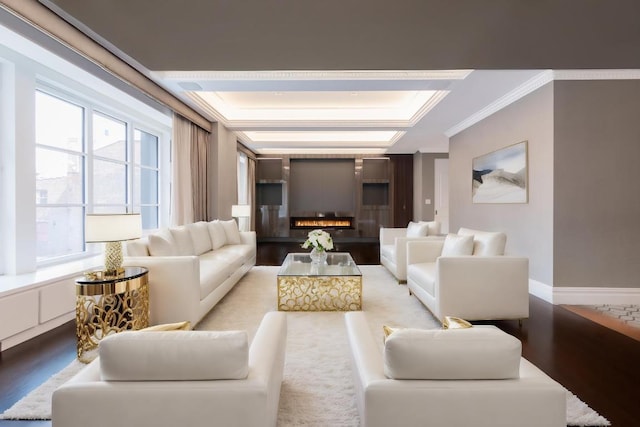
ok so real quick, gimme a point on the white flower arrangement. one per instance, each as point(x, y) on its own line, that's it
point(318, 239)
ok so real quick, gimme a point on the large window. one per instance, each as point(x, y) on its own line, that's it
point(60, 177)
point(114, 169)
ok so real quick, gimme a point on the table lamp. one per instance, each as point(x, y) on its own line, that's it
point(112, 229)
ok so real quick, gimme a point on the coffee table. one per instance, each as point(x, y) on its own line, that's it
point(332, 286)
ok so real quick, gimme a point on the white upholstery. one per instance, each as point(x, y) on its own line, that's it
point(470, 287)
point(532, 400)
point(393, 245)
point(231, 231)
point(186, 287)
point(174, 356)
point(86, 400)
point(477, 353)
point(457, 245)
point(486, 243)
point(200, 237)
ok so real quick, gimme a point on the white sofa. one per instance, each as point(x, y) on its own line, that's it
point(393, 244)
point(252, 400)
point(191, 267)
point(524, 398)
point(484, 284)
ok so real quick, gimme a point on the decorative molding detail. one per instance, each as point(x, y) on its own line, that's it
point(525, 89)
point(583, 295)
point(541, 290)
point(313, 75)
point(596, 74)
point(432, 102)
point(594, 296)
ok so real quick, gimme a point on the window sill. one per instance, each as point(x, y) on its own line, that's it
point(11, 284)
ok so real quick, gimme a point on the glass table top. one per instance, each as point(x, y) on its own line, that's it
point(338, 264)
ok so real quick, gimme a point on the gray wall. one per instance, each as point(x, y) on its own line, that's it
point(597, 189)
point(424, 184)
point(529, 226)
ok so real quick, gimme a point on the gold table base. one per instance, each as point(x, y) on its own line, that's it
point(98, 316)
point(319, 293)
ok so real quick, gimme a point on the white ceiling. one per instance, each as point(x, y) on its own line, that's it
point(343, 111)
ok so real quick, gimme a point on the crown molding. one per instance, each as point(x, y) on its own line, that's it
point(537, 82)
point(431, 102)
point(526, 88)
point(596, 74)
point(312, 75)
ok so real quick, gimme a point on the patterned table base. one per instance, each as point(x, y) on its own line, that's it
point(319, 293)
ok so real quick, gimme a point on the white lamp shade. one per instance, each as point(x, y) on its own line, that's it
point(241, 211)
point(112, 227)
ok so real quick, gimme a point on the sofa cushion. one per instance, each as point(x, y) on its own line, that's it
point(216, 232)
point(456, 245)
point(231, 232)
point(417, 229)
point(174, 356)
point(212, 274)
point(162, 244)
point(481, 352)
point(138, 247)
point(424, 275)
point(433, 227)
point(200, 237)
point(388, 251)
point(486, 243)
point(184, 244)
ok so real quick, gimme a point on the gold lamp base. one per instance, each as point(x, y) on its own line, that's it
point(113, 258)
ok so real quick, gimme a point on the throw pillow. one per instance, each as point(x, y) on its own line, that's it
point(482, 352)
point(180, 326)
point(451, 322)
point(486, 243)
point(216, 232)
point(231, 232)
point(138, 247)
point(456, 245)
point(174, 356)
point(184, 244)
point(162, 244)
point(200, 237)
point(433, 227)
point(416, 229)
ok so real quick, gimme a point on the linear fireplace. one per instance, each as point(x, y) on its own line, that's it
point(311, 222)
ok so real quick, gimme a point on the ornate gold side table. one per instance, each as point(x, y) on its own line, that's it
point(334, 285)
point(109, 304)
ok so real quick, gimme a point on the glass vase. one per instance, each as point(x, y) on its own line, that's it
point(318, 256)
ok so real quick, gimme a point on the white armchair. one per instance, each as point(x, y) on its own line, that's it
point(482, 285)
point(179, 379)
point(393, 245)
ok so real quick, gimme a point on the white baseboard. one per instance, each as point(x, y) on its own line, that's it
point(584, 295)
point(35, 331)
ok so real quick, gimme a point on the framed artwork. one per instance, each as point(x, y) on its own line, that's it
point(501, 176)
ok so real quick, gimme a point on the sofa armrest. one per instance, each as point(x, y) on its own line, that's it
point(174, 287)
point(388, 235)
point(248, 238)
point(476, 287)
point(424, 250)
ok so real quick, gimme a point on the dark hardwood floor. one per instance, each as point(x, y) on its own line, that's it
point(599, 365)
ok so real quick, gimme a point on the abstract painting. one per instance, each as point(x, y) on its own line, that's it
point(501, 176)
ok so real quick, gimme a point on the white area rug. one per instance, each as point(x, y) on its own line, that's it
point(318, 388)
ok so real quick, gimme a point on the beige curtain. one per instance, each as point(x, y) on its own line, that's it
point(251, 191)
point(181, 194)
point(189, 167)
point(199, 173)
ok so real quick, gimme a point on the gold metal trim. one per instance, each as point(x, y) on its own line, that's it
point(320, 293)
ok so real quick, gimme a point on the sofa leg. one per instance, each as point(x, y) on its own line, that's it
point(520, 323)
point(402, 282)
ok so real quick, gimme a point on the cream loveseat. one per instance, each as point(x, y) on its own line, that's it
point(467, 276)
point(179, 378)
point(458, 377)
point(393, 245)
point(191, 267)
